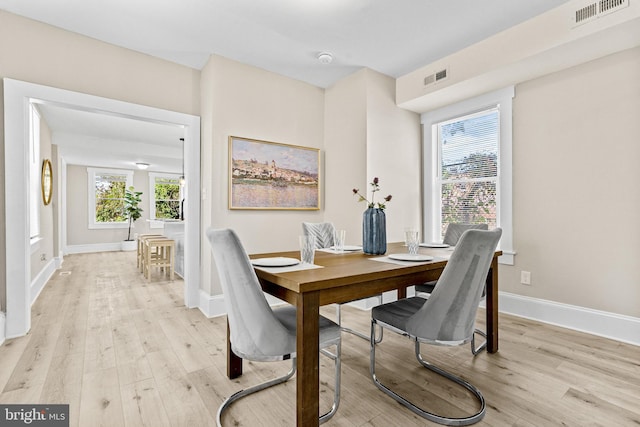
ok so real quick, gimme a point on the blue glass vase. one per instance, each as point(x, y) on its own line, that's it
point(374, 231)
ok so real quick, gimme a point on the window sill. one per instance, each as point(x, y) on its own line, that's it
point(507, 257)
point(96, 226)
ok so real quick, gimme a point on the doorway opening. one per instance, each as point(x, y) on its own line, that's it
point(18, 96)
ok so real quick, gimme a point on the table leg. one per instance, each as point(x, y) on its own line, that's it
point(234, 363)
point(492, 307)
point(402, 293)
point(307, 349)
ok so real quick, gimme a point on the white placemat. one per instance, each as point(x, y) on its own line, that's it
point(296, 267)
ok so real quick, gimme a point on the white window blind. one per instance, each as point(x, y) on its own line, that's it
point(467, 179)
point(468, 166)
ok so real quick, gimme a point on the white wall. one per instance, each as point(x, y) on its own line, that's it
point(355, 123)
point(249, 102)
point(367, 136)
point(78, 231)
point(345, 144)
point(576, 175)
point(394, 155)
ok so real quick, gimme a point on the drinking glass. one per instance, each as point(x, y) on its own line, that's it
point(307, 249)
point(413, 241)
point(338, 240)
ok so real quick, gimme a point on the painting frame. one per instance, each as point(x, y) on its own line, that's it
point(266, 175)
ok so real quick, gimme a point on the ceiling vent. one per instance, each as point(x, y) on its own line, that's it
point(592, 10)
point(435, 77)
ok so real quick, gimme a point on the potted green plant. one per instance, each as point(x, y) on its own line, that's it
point(132, 212)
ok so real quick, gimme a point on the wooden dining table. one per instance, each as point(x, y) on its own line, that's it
point(344, 277)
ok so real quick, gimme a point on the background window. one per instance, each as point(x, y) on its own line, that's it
point(106, 197)
point(166, 197)
point(35, 169)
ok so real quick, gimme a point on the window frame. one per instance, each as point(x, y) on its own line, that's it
point(35, 170)
point(152, 192)
point(91, 201)
point(502, 99)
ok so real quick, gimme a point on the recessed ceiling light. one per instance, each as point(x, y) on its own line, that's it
point(142, 165)
point(325, 57)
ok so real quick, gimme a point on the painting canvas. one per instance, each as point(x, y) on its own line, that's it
point(270, 175)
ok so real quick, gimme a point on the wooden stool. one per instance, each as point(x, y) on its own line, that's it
point(159, 252)
point(140, 246)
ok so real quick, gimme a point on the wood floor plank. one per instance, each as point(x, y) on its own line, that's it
point(64, 384)
point(182, 402)
point(142, 405)
point(101, 401)
point(190, 353)
point(99, 352)
point(11, 351)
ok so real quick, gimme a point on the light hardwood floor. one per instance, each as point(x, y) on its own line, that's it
point(124, 352)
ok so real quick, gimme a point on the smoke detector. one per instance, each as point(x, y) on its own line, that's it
point(325, 57)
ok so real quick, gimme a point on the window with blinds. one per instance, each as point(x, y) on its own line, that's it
point(468, 163)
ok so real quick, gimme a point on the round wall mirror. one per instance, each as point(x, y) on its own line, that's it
point(47, 184)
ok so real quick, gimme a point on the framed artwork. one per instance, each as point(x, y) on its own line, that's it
point(46, 182)
point(270, 175)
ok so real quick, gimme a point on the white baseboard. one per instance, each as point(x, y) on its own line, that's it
point(37, 285)
point(601, 323)
point(2, 327)
point(93, 247)
point(213, 306)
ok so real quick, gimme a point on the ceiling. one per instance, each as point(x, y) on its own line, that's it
point(105, 140)
point(393, 37)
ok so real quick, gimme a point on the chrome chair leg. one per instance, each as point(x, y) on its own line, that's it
point(417, 410)
point(323, 418)
point(242, 393)
point(336, 392)
point(352, 331)
point(475, 350)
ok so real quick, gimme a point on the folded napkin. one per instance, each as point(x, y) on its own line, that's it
point(289, 268)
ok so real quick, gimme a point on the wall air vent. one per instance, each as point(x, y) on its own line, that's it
point(608, 6)
point(586, 13)
point(593, 10)
point(435, 77)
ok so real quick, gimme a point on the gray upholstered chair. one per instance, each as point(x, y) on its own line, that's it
point(259, 332)
point(451, 237)
point(446, 318)
point(324, 233)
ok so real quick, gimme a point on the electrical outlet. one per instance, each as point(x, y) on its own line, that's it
point(525, 277)
point(43, 257)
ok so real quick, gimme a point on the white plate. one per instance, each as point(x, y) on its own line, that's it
point(275, 262)
point(349, 248)
point(434, 245)
point(409, 257)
